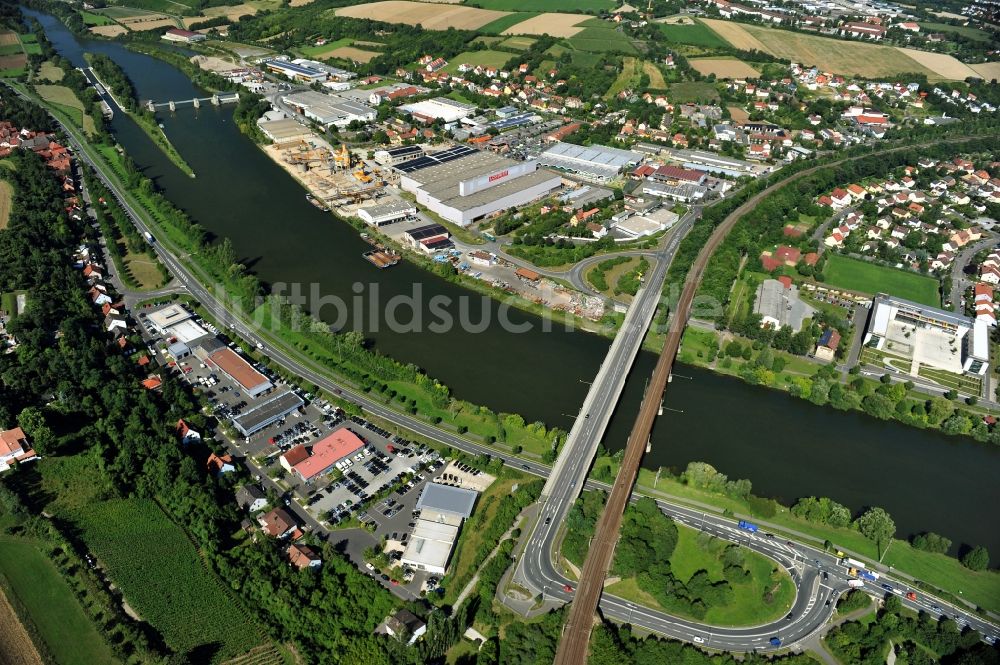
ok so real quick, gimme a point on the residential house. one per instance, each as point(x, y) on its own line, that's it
point(277, 523)
point(251, 498)
point(220, 464)
point(405, 624)
point(14, 447)
point(826, 348)
point(303, 556)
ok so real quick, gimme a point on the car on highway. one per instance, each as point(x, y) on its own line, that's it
point(775, 641)
point(698, 640)
point(548, 521)
point(567, 588)
point(887, 587)
point(911, 596)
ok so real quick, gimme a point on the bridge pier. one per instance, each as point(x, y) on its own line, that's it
point(151, 106)
point(197, 103)
point(215, 100)
point(173, 107)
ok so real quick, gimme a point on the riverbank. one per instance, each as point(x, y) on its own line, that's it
point(144, 119)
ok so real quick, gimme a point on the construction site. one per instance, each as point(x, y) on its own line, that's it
point(334, 177)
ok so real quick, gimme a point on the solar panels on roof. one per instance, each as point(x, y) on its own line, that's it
point(435, 158)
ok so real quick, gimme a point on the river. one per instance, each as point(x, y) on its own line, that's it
point(785, 446)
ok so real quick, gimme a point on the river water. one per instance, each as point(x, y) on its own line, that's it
point(787, 447)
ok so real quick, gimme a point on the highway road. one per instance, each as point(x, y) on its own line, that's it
point(805, 614)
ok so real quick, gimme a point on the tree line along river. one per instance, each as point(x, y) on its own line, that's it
point(787, 447)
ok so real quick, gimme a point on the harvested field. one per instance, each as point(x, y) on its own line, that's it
point(299, 3)
point(152, 25)
point(517, 43)
point(214, 64)
point(14, 61)
point(548, 5)
point(6, 195)
point(655, 74)
point(738, 115)
point(736, 35)
point(554, 24)
point(430, 16)
point(350, 53)
point(724, 68)
point(945, 66)
point(16, 647)
point(49, 72)
point(233, 13)
point(840, 57)
point(988, 70)
point(9, 38)
point(111, 30)
point(679, 19)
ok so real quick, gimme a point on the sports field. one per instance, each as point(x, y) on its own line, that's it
point(839, 56)
point(548, 5)
point(430, 16)
point(475, 58)
point(867, 277)
point(724, 68)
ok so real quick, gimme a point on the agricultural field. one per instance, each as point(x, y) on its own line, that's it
point(554, 24)
point(839, 56)
point(474, 58)
point(177, 595)
point(655, 74)
point(627, 78)
point(125, 12)
point(693, 91)
point(548, 5)
point(724, 68)
point(90, 18)
point(112, 30)
point(964, 30)
point(692, 34)
point(500, 26)
point(514, 43)
point(8, 38)
point(430, 16)
point(600, 39)
point(987, 70)
point(16, 647)
point(68, 103)
point(318, 52)
point(867, 277)
point(12, 65)
point(6, 195)
point(351, 53)
point(51, 605)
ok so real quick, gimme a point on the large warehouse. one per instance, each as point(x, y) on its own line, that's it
point(442, 510)
point(329, 109)
point(593, 162)
point(474, 185)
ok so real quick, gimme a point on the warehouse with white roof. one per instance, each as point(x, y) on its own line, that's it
point(473, 185)
point(442, 510)
point(592, 162)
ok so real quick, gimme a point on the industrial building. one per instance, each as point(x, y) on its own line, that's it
point(594, 162)
point(442, 510)
point(714, 163)
point(928, 336)
point(430, 238)
point(324, 455)
point(168, 316)
point(686, 192)
point(384, 214)
point(779, 304)
point(640, 226)
point(329, 109)
point(183, 36)
point(186, 332)
point(216, 354)
point(267, 412)
point(396, 156)
point(295, 71)
point(477, 184)
point(285, 129)
point(439, 108)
